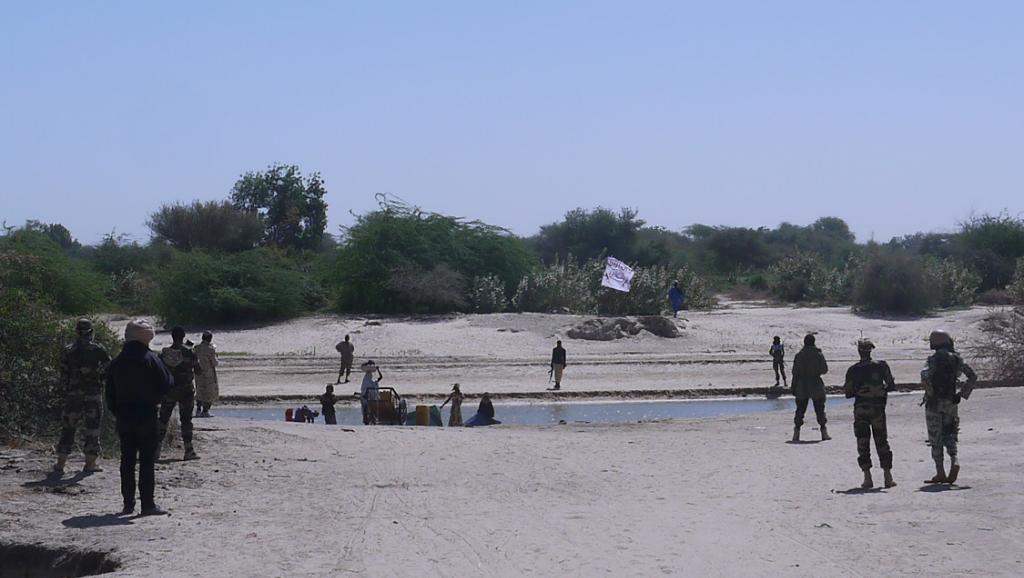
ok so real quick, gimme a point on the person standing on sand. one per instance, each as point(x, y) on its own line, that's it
point(327, 401)
point(940, 378)
point(808, 367)
point(183, 364)
point(137, 381)
point(81, 378)
point(369, 391)
point(558, 363)
point(676, 298)
point(207, 390)
point(870, 382)
point(347, 351)
point(455, 417)
point(778, 353)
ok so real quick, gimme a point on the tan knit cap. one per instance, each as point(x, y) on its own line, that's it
point(139, 330)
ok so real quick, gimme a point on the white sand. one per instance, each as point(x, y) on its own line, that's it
point(715, 497)
point(509, 353)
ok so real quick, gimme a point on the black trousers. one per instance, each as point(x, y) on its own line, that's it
point(330, 417)
point(801, 409)
point(138, 446)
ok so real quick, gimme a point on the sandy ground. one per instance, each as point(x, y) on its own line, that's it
point(509, 353)
point(714, 497)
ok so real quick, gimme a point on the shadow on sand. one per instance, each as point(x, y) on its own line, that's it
point(96, 521)
point(932, 488)
point(859, 490)
point(803, 442)
point(57, 480)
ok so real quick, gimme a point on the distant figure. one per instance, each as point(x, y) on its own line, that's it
point(941, 401)
point(183, 364)
point(207, 390)
point(347, 351)
point(778, 353)
point(808, 367)
point(327, 401)
point(677, 298)
point(484, 413)
point(870, 382)
point(558, 363)
point(81, 367)
point(455, 417)
point(306, 415)
point(369, 392)
point(137, 382)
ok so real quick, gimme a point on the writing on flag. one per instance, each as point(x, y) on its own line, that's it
point(617, 275)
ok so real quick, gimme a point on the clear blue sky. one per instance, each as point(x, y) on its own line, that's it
point(896, 116)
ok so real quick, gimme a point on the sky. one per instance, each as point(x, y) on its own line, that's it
point(895, 116)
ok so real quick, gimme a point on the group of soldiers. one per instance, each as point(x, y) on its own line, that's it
point(868, 382)
point(183, 375)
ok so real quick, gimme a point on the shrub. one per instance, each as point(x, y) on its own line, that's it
point(1016, 288)
point(213, 225)
point(805, 277)
point(952, 283)
point(487, 294)
point(257, 285)
point(438, 290)
point(31, 261)
point(892, 283)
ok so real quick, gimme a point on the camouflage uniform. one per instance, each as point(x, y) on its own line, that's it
point(808, 367)
point(869, 382)
point(182, 363)
point(940, 378)
point(82, 364)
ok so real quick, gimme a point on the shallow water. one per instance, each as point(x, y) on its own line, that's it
point(578, 412)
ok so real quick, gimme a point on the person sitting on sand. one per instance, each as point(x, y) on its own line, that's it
point(455, 417)
point(327, 401)
point(369, 392)
point(484, 413)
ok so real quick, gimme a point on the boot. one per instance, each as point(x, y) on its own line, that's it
point(889, 482)
point(824, 434)
point(91, 466)
point(940, 475)
point(796, 434)
point(954, 471)
point(190, 454)
point(129, 509)
point(868, 483)
point(153, 510)
point(59, 466)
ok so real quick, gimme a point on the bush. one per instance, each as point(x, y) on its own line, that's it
point(562, 287)
point(438, 290)
point(487, 294)
point(254, 286)
point(31, 261)
point(213, 225)
point(805, 277)
point(992, 244)
point(892, 283)
point(952, 283)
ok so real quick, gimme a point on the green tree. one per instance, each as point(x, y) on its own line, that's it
point(213, 225)
point(292, 208)
point(590, 234)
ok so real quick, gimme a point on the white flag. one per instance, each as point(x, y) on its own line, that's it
point(617, 275)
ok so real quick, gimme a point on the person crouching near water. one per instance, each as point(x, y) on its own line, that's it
point(369, 391)
point(327, 401)
point(455, 417)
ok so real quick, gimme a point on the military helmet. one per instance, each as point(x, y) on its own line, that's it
point(83, 327)
point(940, 338)
point(865, 345)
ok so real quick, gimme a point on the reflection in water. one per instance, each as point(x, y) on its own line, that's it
point(593, 412)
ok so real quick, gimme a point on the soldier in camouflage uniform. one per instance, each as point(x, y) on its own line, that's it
point(81, 372)
point(941, 400)
point(808, 367)
point(183, 365)
point(870, 381)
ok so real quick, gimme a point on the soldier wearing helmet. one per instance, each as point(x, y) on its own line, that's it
point(940, 378)
point(183, 364)
point(869, 382)
point(82, 364)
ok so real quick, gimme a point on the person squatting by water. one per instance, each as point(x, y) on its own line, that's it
point(808, 367)
point(369, 392)
point(940, 378)
point(455, 417)
point(558, 363)
point(207, 390)
point(183, 365)
point(869, 382)
point(81, 377)
point(137, 381)
point(347, 351)
point(778, 353)
point(676, 298)
point(327, 402)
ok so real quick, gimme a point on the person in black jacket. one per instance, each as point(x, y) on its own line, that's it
point(136, 383)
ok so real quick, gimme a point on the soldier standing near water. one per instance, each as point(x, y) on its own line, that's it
point(81, 367)
point(558, 363)
point(347, 351)
point(869, 382)
point(778, 353)
point(808, 367)
point(207, 390)
point(183, 364)
point(941, 402)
